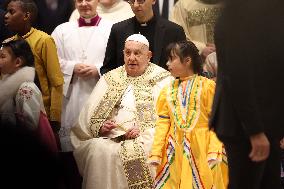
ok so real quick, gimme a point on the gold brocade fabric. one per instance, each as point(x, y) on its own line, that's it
point(131, 153)
point(205, 16)
point(142, 86)
point(134, 164)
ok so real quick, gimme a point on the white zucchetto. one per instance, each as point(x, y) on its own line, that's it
point(139, 38)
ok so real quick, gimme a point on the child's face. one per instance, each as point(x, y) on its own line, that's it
point(15, 16)
point(8, 63)
point(178, 68)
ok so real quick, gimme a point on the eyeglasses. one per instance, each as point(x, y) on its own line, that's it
point(140, 2)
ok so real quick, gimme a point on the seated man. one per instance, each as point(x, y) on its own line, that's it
point(115, 129)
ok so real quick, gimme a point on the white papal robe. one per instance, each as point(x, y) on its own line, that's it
point(75, 45)
point(112, 162)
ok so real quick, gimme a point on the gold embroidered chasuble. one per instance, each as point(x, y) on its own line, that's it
point(118, 82)
point(198, 18)
point(131, 152)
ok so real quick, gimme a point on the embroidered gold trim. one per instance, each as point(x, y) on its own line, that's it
point(193, 105)
point(207, 16)
point(118, 82)
point(134, 164)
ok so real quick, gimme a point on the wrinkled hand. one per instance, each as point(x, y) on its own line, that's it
point(282, 143)
point(260, 147)
point(210, 48)
point(78, 68)
point(132, 133)
point(86, 71)
point(108, 125)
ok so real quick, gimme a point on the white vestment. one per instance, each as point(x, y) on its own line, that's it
point(197, 19)
point(120, 11)
point(110, 161)
point(20, 98)
point(78, 45)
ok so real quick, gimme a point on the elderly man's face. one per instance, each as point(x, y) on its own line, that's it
point(136, 58)
point(87, 8)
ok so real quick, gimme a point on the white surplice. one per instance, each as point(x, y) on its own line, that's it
point(75, 45)
point(118, 12)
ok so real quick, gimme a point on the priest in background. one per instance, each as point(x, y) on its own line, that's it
point(160, 33)
point(113, 10)
point(81, 48)
point(198, 18)
point(116, 126)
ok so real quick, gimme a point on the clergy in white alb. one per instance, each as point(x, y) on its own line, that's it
point(113, 10)
point(81, 46)
point(198, 18)
point(115, 129)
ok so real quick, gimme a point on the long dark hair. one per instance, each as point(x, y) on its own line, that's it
point(185, 49)
point(21, 49)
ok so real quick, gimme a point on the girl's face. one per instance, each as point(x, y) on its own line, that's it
point(8, 63)
point(178, 68)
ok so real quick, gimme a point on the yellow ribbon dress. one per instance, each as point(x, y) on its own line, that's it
point(189, 155)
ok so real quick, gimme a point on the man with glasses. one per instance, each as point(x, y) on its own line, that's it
point(159, 31)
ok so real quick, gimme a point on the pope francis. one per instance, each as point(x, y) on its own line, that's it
point(115, 130)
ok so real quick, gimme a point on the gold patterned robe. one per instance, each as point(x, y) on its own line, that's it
point(109, 162)
point(197, 19)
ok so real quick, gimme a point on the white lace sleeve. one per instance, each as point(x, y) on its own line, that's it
point(28, 104)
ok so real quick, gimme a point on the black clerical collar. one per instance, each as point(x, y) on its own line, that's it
point(145, 24)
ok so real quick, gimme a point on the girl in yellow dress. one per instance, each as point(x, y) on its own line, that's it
point(185, 153)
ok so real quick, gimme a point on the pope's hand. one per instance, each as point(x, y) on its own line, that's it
point(132, 133)
point(107, 126)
